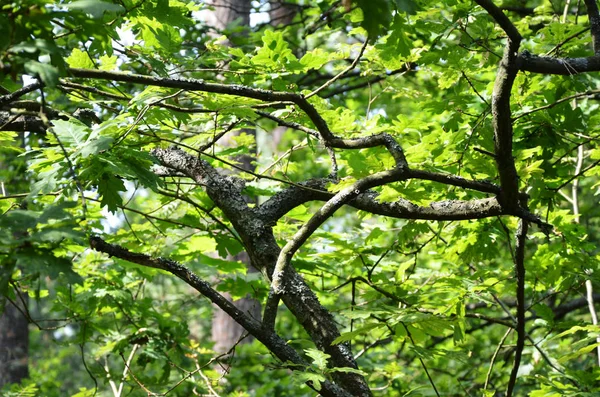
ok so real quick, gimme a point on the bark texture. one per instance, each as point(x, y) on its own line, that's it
point(14, 346)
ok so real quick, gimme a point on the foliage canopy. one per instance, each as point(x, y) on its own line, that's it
point(421, 206)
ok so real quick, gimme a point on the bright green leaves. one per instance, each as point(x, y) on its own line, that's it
point(158, 36)
point(319, 365)
point(159, 24)
point(585, 344)
point(70, 133)
point(79, 59)
point(361, 332)
point(567, 36)
point(397, 45)
point(108, 170)
point(275, 53)
point(414, 288)
point(77, 140)
point(8, 142)
point(315, 58)
point(319, 358)
point(173, 13)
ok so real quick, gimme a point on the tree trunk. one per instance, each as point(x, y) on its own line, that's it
point(282, 13)
point(14, 345)
point(228, 11)
point(14, 326)
point(225, 331)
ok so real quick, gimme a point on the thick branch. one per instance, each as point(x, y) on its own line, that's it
point(225, 191)
point(284, 201)
point(563, 66)
point(563, 309)
point(263, 250)
point(503, 129)
point(271, 340)
point(21, 123)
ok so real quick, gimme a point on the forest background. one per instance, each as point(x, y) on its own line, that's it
point(266, 198)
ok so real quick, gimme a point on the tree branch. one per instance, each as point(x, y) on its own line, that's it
point(520, 276)
point(329, 139)
point(502, 123)
point(342, 73)
point(562, 66)
point(326, 211)
point(8, 98)
point(262, 248)
point(449, 210)
point(272, 341)
point(21, 123)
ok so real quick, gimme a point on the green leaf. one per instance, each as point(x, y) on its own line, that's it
point(318, 357)
point(46, 72)
point(377, 16)
point(109, 188)
point(315, 379)
point(96, 8)
point(70, 132)
point(348, 370)
point(349, 336)
point(79, 59)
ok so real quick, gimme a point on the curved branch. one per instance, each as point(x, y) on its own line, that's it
point(281, 203)
point(263, 250)
point(300, 100)
point(272, 341)
point(328, 209)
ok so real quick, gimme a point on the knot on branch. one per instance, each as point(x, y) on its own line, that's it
point(177, 159)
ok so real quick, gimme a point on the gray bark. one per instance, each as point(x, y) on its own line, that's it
point(14, 346)
point(14, 328)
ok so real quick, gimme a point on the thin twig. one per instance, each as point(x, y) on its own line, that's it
point(489, 373)
point(342, 73)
